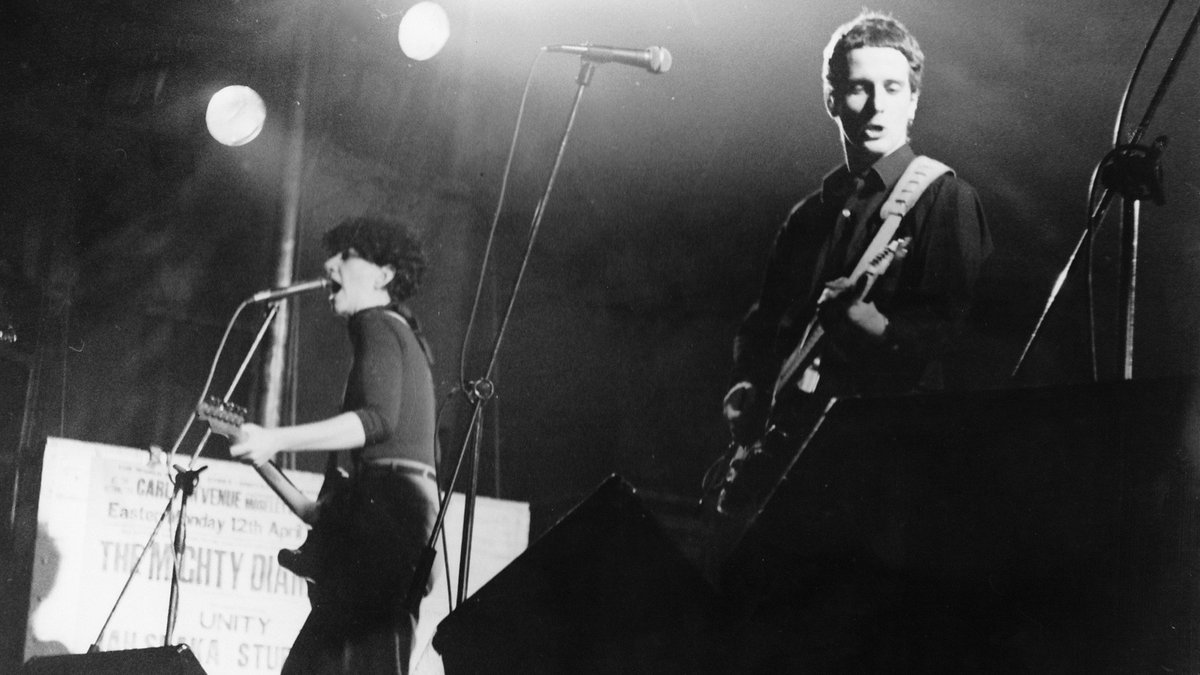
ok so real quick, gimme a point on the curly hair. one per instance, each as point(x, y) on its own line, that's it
point(384, 242)
point(870, 29)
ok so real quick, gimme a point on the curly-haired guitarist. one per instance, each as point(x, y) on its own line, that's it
point(369, 535)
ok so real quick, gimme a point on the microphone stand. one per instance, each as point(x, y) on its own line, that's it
point(1135, 172)
point(480, 391)
point(185, 484)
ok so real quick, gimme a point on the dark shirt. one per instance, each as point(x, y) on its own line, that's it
point(925, 296)
point(390, 387)
point(369, 538)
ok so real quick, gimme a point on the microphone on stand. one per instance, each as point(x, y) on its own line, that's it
point(273, 294)
point(653, 59)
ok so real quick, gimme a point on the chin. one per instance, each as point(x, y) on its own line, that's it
point(884, 147)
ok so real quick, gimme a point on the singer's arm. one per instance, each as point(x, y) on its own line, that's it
point(372, 407)
point(256, 444)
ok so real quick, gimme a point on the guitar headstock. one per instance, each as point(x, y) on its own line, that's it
point(224, 417)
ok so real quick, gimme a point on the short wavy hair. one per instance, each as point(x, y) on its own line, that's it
point(384, 242)
point(870, 29)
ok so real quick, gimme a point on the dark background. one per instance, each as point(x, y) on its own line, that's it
point(128, 236)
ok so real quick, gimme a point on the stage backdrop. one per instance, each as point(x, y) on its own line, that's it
point(238, 609)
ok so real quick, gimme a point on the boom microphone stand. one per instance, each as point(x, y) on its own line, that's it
point(1133, 171)
point(185, 482)
point(480, 391)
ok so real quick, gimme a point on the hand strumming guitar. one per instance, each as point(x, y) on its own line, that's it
point(743, 412)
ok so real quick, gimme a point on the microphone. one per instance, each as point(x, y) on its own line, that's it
point(653, 59)
point(274, 294)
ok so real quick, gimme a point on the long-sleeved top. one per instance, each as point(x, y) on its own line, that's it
point(925, 295)
point(390, 387)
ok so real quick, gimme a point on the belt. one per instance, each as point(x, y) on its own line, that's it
point(407, 467)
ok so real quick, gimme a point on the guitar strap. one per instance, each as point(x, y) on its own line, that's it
point(921, 171)
point(406, 318)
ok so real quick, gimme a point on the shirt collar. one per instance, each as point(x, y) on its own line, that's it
point(889, 169)
point(883, 174)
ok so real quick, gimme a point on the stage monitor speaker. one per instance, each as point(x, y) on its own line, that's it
point(177, 660)
point(603, 591)
point(1051, 529)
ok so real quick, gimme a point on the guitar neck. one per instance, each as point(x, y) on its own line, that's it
point(291, 495)
point(813, 334)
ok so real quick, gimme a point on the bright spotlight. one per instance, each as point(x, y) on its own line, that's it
point(424, 29)
point(235, 115)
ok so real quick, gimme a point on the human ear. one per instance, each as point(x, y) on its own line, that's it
point(386, 274)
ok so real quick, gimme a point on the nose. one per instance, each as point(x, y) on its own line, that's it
point(331, 264)
point(875, 98)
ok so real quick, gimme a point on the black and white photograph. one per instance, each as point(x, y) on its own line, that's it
point(443, 337)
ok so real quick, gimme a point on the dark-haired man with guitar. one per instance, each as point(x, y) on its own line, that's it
point(883, 319)
point(368, 536)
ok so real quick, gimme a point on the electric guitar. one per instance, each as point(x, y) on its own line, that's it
point(806, 355)
point(800, 372)
point(226, 419)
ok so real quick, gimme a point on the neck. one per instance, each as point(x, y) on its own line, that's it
point(380, 305)
point(858, 160)
point(379, 299)
point(376, 303)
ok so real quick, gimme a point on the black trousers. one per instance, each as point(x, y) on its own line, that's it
point(374, 534)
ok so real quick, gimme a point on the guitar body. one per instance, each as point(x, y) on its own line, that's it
point(350, 559)
point(354, 561)
point(755, 467)
point(342, 547)
point(309, 560)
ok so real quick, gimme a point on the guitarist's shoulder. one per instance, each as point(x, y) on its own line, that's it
point(945, 177)
point(952, 190)
point(805, 219)
point(387, 318)
point(398, 321)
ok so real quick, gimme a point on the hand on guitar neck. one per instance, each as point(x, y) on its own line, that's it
point(229, 420)
point(254, 445)
point(843, 304)
point(310, 561)
point(248, 443)
point(846, 308)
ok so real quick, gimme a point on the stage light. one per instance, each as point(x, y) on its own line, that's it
point(424, 29)
point(235, 115)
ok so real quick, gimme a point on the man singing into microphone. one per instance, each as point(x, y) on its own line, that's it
point(372, 533)
point(890, 339)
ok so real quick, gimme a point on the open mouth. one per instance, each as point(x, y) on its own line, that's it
point(334, 287)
